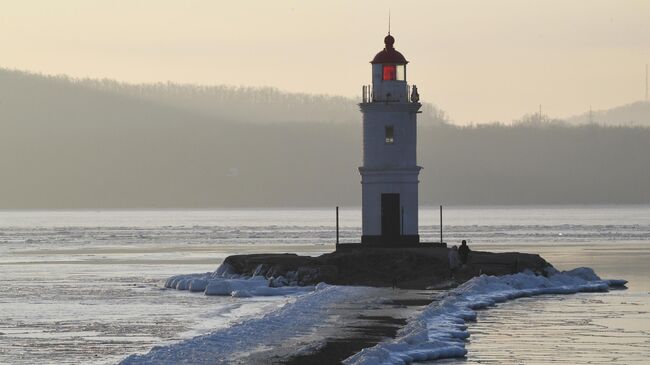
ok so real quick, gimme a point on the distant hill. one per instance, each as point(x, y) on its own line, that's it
point(259, 105)
point(634, 114)
point(99, 144)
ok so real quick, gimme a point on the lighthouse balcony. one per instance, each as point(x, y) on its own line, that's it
point(389, 92)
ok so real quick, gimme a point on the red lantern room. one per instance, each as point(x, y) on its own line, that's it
point(388, 75)
point(393, 63)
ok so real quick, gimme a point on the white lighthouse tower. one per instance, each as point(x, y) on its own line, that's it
point(389, 175)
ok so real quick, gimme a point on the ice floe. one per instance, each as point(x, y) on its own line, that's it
point(440, 330)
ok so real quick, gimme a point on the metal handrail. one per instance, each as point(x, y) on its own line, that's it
point(367, 95)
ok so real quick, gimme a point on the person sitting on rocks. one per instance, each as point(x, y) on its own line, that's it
point(463, 252)
point(454, 259)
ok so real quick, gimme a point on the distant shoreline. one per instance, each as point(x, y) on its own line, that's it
point(322, 207)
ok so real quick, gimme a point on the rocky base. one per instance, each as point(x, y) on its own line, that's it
point(407, 268)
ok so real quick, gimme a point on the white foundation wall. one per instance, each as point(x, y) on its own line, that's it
point(377, 182)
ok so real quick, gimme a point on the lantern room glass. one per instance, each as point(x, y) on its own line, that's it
point(401, 72)
point(390, 72)
point(394, 72)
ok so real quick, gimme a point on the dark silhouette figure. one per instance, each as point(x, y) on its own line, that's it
point(463, 252)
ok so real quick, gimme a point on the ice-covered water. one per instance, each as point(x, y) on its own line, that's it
point(85, 286)
point(608, 328)
point(521, 225)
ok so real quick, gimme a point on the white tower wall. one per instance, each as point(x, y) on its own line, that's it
point(402, 118)
point(389, 167)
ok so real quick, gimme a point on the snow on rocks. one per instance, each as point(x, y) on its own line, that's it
point(224, 282)
point(197, 285)
point(439, 331)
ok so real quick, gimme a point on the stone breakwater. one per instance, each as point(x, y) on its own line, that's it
point(412, 268)
point(408, 268)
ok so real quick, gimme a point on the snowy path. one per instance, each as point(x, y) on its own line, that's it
point(297, 319)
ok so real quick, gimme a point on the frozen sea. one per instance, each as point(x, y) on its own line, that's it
point(86, 286)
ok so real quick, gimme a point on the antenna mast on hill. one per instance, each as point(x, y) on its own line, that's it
point(646, 82)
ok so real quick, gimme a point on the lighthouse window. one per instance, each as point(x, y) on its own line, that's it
point(390, 134)
point(401, 72)
point(390, 72)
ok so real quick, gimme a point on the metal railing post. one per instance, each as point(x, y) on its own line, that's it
point(337, 226)
point(441, 224)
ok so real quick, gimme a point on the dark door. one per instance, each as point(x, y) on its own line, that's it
point(390, 215)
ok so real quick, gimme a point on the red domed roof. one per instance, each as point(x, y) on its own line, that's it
point(389, 54)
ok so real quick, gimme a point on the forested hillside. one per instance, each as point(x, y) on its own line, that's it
point(87, 144)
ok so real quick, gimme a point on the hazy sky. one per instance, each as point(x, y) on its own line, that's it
point(478, 60)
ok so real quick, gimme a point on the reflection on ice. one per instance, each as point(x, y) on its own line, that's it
point(439, 331)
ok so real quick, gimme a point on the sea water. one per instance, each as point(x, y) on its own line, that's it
point(86, 286)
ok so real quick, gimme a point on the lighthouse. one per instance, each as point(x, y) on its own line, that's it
point(389, 175)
